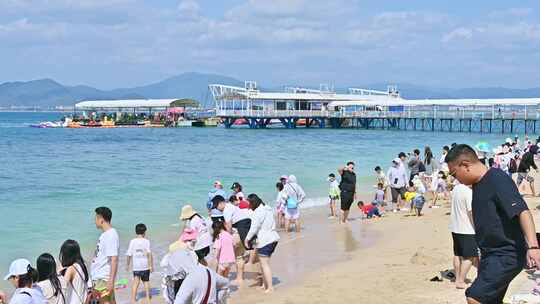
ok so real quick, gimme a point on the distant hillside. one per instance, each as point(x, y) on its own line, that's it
point(47, 92)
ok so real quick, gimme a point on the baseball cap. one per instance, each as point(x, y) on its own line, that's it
point(235, 185)
point(396, 160)
point(218, 183)
point(17, 268)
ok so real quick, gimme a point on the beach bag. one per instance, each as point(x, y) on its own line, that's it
point(292, 202)
point(512, 167)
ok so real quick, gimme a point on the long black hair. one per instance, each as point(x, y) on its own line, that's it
point(254, 201)
point(70, 253)
point(428, 155)
point(46, 267)
point(217, 227)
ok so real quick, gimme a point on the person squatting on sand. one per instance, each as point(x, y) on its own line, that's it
point(505, 231)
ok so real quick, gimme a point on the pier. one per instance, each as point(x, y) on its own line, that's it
point(370, 109)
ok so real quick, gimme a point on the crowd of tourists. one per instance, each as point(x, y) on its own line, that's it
point(491, 226)
point(196, 269)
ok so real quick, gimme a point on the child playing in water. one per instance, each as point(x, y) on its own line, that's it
point(380, 197)
point(381, 178)
point(281, 200)
point(333, 194)
point(224, 248)
point(369, 210)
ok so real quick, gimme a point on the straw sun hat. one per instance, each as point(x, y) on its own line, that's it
point(187, 212)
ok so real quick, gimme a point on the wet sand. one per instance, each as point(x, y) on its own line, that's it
point(397, 269)
point(386, 260)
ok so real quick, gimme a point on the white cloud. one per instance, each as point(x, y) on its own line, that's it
point(189, 9)
point(460, 33)
point(512, 12)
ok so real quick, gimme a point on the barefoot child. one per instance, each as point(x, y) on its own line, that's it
point(380, 197)
point(410, 195)
point(369, 210)
point(224, 248)
point(333, 194)
point(139, 252)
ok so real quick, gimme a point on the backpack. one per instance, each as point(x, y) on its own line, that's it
point(512, 167)
point(292, 202)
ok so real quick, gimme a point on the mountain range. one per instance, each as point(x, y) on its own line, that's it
point(49, 93)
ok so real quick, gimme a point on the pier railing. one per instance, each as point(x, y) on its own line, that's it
point(446, 114)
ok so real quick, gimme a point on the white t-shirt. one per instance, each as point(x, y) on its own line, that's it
point(204, 239)
point(138, 250)
point(461, 204)
point(26, 295)
point(108, 246)
point(233, 214)
point(48, 290)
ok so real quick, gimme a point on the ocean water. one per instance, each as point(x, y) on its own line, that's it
point(51, 180)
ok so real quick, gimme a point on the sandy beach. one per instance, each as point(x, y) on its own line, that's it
point(397, 268)
point(382, 260)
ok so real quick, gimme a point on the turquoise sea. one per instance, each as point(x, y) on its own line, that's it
point(52, 179)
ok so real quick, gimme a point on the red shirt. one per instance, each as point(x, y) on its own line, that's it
point(367, 208)
point(243, 204)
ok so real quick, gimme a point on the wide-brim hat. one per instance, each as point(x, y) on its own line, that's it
point(187, 212)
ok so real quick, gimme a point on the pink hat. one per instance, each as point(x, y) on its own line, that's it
point(188, 235)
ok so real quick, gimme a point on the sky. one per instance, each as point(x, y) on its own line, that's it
point(124, 43)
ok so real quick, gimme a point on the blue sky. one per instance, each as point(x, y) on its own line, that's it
point(123, 43)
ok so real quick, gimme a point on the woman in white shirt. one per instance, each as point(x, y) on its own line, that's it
point(53, 286)
point(198, 284)
point(263, 228)
point(193, 221)
point(75, 272)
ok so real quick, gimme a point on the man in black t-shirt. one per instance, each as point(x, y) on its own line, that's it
point(504, 227)
point(348, 189)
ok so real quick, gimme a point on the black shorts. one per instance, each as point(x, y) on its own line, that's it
point(144, 275)
point(464, 245)
point(494, 275)
point(397, 192)
point(347, 198)
point(202, 253)
point(242, 227)
point(267, 250)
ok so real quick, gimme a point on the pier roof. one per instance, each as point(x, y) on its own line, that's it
point(136, 103)
point(438, 102)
